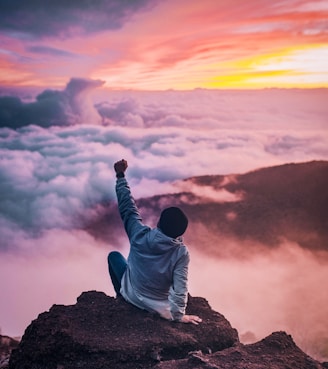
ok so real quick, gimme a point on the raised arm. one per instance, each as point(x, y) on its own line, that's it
point(127, 207)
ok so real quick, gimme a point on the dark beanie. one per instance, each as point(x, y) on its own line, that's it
point(173, 222)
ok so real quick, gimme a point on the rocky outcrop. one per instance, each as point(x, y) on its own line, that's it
point(101, 332)
point(277, 351)
point(7, 344)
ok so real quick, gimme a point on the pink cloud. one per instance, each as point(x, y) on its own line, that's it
point(272, 290)
point(51, 269)
point(183, 44)
point(57, 179)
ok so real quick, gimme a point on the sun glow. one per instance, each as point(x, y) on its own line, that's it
point(302, 66)
point(175, 45)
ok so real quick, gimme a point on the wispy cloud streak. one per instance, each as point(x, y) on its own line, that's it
point(158, 45)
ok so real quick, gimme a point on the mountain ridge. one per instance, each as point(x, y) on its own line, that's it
point(267, 206)
point(282, 202)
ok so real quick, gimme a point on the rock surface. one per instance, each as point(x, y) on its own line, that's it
point(101, 332)
point(7, 344)
point(277, 351)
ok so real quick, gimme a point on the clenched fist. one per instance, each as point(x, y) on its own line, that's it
point(120, 166)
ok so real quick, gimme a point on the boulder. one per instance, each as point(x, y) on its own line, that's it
point(104, 332)
point(277, 351)
point(7, 344)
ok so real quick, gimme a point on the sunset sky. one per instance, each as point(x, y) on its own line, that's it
point(179, 88)
point(165, 44)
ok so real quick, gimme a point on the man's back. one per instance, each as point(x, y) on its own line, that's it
point(152, 262)
point(155, 275)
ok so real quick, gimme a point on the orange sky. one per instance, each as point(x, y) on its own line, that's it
point(183, 44)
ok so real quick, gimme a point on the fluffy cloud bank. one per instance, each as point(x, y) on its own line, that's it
point(51, 107)
point(55, 171)
point(54, 179)
point(276, 290)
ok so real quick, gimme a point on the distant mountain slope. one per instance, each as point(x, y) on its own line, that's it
point(288, 201)
point(267, 206)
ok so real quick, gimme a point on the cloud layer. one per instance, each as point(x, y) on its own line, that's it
point(280, 289)
point(60, 167)
point(56, 178)
point(51, 107)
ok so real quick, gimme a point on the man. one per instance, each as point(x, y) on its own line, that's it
point(154, 277)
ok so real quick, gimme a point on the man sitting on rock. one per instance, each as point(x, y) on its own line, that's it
point(155, 275)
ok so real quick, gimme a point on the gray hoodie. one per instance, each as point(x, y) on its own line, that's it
point(157, 271)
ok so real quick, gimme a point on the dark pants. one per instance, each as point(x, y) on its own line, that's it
point(116, 267)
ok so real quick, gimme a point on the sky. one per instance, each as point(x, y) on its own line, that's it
point(179, 89)
point(165, 44)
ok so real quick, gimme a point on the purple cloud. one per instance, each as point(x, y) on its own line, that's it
point(46, 50)
point(37, 19)
point(57, 182)
point(51, 107)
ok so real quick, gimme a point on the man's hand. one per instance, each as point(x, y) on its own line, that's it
point(194, 319)
point(120, 166)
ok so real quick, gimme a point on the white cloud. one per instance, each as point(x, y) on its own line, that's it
point(52, 180)
point(279, 289)
point(54, 268)
point(313, 61)
point(317, 6)
point(52, 176)
point(209, 194)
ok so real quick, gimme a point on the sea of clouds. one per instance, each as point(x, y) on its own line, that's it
point(57, 153)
